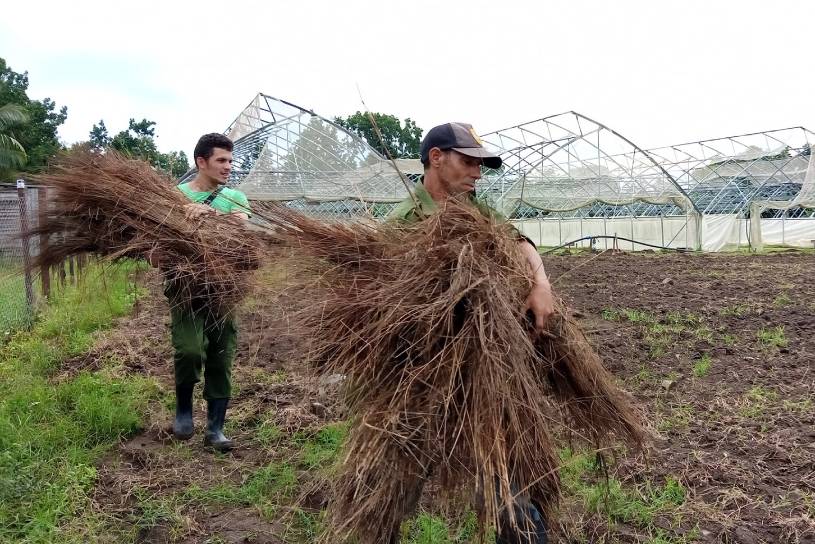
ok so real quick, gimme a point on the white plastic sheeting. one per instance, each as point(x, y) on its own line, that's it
point(788, 232)
point(718, 232)
point(676, 232)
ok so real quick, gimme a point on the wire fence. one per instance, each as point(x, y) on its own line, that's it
point(24, 289)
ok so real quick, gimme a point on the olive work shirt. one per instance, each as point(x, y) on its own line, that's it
point(413, 210)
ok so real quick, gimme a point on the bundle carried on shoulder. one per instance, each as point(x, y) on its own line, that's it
point(447, 386)
point(108, 205)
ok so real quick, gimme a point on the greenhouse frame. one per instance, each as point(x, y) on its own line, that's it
point(566, 180)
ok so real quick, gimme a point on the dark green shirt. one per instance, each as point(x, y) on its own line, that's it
point(411, 210)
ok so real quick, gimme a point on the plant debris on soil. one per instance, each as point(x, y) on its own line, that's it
point(721, 357)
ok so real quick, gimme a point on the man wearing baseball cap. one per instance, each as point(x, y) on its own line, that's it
point(452, 155)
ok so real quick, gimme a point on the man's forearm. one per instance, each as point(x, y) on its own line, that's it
point(535, 262)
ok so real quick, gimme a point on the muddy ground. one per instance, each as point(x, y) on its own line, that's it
point(717, 349)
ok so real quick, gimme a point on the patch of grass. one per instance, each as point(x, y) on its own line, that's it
point(643, 376)
point(757, 401)
point(14, 312)
point(428, 529)
point(268, 433)
point(627, 314)
point(660, 334)
point(737, 310)
point(773, 337)
point(808, 499)
point(678, 418)
point(782, 300)
point(702, 332)
point(728, 340)
point(639, 505)
point(272, 481)
point(702, 366)
point(321, 451)
point(610, 314)
point(801, 406)
point(154, 511)
point(638, 316)
point(308, 525)
point(265, 489)
point(659, 339)
point(52, 434)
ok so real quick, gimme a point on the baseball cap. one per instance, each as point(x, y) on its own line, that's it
point(460, 137)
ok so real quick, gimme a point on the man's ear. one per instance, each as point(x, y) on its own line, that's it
point(435, 154)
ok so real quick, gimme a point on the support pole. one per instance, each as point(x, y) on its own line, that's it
point(698, 234)
point(42, 213)
point(756, 243)
point(29, 289)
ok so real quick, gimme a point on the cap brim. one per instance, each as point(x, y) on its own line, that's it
point(488, 159)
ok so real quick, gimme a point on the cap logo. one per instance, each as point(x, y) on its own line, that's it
point(475, 137)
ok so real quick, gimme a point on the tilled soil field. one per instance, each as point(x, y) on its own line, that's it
point(717, 349)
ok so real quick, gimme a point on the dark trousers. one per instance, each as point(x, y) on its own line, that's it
point(202, 342)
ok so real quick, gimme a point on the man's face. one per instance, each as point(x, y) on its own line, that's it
point(217, 167)
point(458, 173)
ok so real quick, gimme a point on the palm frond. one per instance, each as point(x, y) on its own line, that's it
point(12, 115)
point(12, 154)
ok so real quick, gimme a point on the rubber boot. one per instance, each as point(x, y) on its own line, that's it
point(533, 527)
point(216, 414)
point(183, 426)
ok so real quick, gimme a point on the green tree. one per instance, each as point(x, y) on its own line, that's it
point(12, 154)
point(402, 140)
point(98, 137)
point(38, 136)
point(138, 142)
point(175, 163)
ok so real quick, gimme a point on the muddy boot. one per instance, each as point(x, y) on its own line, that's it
point(533, 529)
point(216, 414)
point(183, 426)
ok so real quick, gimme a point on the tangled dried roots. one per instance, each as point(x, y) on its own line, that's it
point(108, 205)
point(445, 381)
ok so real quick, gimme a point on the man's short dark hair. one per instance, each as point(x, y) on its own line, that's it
point(208, 142)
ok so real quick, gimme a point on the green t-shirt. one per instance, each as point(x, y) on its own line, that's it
point(228, 200)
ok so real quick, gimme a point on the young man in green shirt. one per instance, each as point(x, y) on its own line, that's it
point(202, 340)
point(452, 156)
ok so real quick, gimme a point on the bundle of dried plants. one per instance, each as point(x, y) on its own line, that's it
point(446, 382)
point(112, 206)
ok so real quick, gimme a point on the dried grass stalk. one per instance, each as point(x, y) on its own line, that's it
point(446, 383)
point(108, 205)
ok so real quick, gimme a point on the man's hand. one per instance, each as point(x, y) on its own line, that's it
point(542, 305)
point(237, 219)
point(195, 211)
point(540, 301)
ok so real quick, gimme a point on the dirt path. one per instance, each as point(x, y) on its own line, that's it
point(718, 349)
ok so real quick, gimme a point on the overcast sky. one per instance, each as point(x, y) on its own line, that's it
point(657, 72)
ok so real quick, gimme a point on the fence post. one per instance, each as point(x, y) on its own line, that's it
point(29, 291)
point(45, 272)
point(61, 266)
